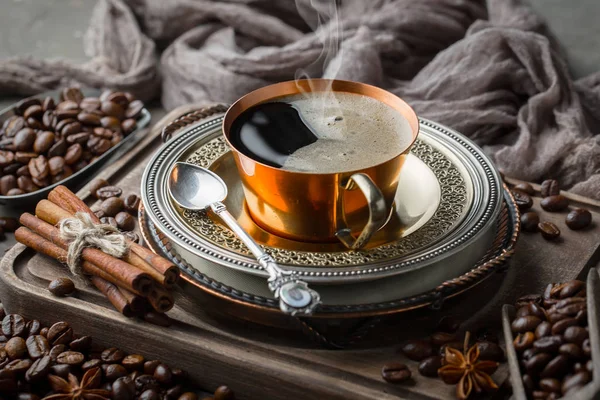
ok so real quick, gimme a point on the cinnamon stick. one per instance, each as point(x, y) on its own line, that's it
point(138, 304)
point(92, 269)
point(66, 199)
point(41, 245)
point(132, 278)
point(113, 294)
point(53, 214)
point(160, 299)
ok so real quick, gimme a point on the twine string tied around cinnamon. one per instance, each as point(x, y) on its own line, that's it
point(81, 232)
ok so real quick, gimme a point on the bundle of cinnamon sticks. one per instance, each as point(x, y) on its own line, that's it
point(134, 283)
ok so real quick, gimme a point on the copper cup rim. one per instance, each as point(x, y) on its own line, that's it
point(282, 89)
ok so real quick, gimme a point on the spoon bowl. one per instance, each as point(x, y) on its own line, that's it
point(195, 188)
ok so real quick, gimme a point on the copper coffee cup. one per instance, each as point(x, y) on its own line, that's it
point(320, 207)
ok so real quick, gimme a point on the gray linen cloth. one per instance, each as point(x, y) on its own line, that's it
point(490, 70)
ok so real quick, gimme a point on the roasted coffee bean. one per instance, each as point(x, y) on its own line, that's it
point(61, 287)
point(6, 158)
point(98, 145)
point(13, 125)
point(60, 333)
point(524, 341)
point(41, 182)
point(73, 153)
point(150, 366)
point(173, 393)
point(8, 382)
point(58, 149)
point(522, 200)
point(112, 109)
point(66, 172)
point(90, 104)
point(81, 344)
point(93, 363)
point(525, 188)
point(65, 114)
point(34, 111)
point(550, 385)
point(530, 221)
point(149, 394)
point(490, 351)
point(56, 165)
point(71, 358)
point(15, 347)
point(14, 192)
point(25, 104)
point(7, 182)
point(24, 139)
point(38, 167)
point(119, 98)
point(163, 374)
point(125, 221)
point(23, 157)
point(49, 119)
point(586, 346)
point(37, 346)
point(526, 323)
point(11, 169)
point(394, 372)
point(43, 141)
point(548, 344)
point(571, 288)
point(115, 371)
point(60, 125)
point(575, 334)
point(439, 338)
point(71, 94)
point(81, 138)
point(39, 369)
point(548, 230)
point(528, 383)
point(557, 366)
point(110, 221)
point(429, 366)
point(71, 128)
point(550, 187)
point(578, 218)
point(128, 126)
point(88, 118)
point(79, 165)
point(33, 327)
point(123, 389)
point(97, 184)
point(224, 393)
point(418, 350)
point(13, 325)
point(112, 206)
point(579, 379)
point(112, 355)
point(117, 138)
point(133, 362)
point(554, 317)
point(571, 350)
point(544, 329)
point(106, 192)
point(537, 363)
point(448, 324)
point(190, 396)
point(134, 109)
point(48, 104)
point(62, 370)
point(108, 131)
point(145, 382)
point(554, 203)
point(19, 366)
point(132, 203)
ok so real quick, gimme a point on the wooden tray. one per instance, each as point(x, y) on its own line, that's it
point(274, 360)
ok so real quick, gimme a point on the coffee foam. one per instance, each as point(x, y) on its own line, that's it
point(354, 132)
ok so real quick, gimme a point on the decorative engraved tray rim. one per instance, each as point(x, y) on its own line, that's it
point(499, 252)
point(485, 179)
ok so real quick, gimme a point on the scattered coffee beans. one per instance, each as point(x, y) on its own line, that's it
point(578, 218)
point(395, 372)
point(61, 287)
point(554, 203)
point(525, 188)
point(55, 140)
point(551, 352)
point(548, 230)
point(522, 199)
point(550, 187)
point(530, 221)
point(28, 362)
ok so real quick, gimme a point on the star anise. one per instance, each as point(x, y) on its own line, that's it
point(465, 371)
point(74, 390)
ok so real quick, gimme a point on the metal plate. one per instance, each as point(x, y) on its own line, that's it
point(363, 299)
point(465, 218)
point(13, 204)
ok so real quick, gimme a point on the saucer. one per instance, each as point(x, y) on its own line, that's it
point(445, 216)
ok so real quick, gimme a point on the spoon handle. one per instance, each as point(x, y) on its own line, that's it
point(295, 297)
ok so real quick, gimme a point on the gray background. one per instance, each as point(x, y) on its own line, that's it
point(50, 28)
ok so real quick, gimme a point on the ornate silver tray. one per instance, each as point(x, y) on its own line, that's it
point(441, 230)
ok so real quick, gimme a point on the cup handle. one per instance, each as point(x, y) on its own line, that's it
point(377, 212)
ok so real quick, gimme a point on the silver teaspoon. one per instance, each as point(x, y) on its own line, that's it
point(196, 188)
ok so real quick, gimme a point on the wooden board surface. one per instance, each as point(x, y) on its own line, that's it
point(260, 362)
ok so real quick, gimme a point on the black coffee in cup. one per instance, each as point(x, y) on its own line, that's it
point(321, 132)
